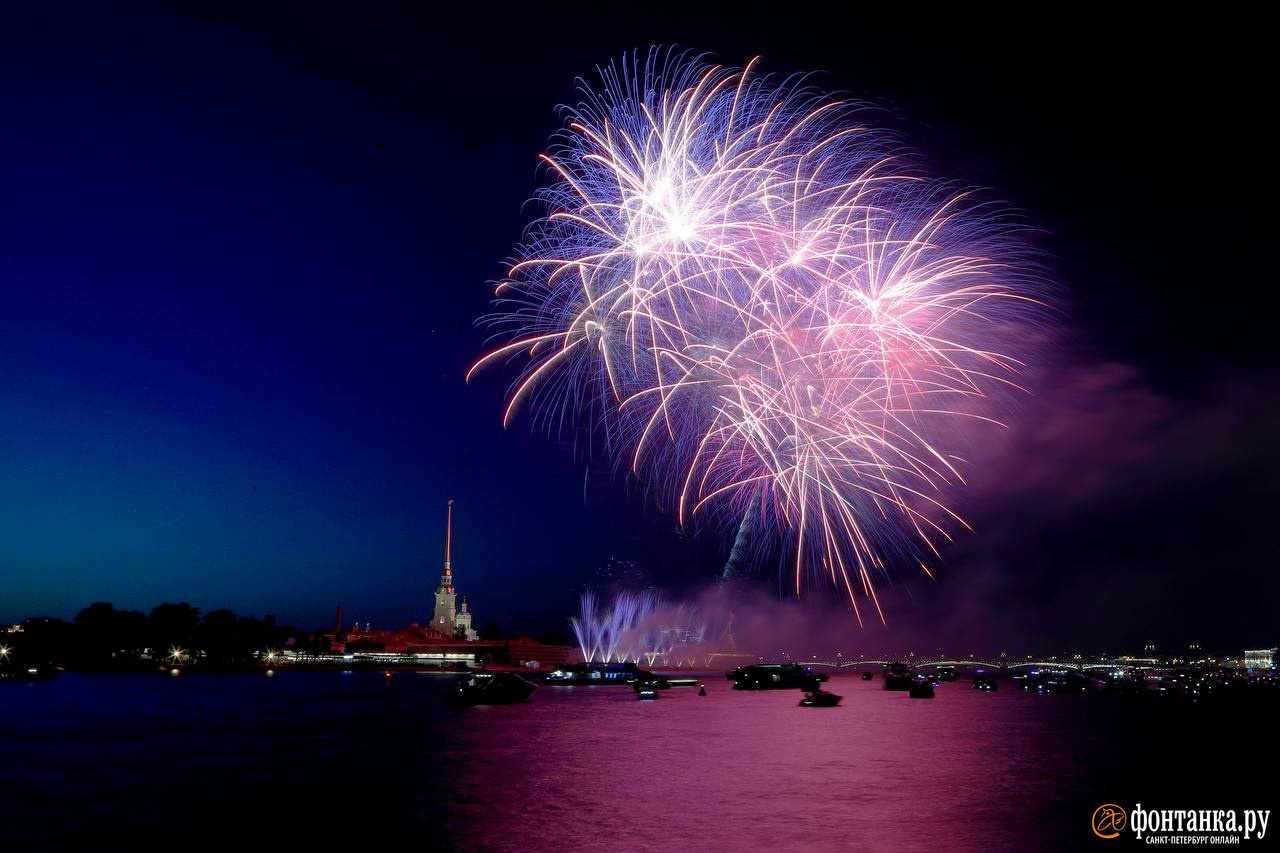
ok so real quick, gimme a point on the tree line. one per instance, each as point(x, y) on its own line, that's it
point(102, 638)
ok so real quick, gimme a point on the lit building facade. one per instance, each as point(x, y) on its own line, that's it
point(1260, 658)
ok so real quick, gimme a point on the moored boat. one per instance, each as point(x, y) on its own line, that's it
point(595, 673)
point(775, 676)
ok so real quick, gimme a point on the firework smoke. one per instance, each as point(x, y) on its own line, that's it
point(765, 313)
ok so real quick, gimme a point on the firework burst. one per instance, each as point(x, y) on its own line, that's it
point(763, 312)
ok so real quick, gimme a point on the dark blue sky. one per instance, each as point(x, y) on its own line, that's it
point(241, 252)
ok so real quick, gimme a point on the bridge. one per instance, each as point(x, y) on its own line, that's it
point(728, 660)
point(1008, 665)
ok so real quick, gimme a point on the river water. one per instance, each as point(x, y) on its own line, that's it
point(347, 761)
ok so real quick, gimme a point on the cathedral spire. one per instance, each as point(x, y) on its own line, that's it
point(448, 541)
point(446, 579)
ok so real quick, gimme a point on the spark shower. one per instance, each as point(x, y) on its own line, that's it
point(638, 626)
point(764, 308)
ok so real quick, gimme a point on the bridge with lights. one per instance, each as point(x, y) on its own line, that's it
point(1005, 664)
point(840, 662)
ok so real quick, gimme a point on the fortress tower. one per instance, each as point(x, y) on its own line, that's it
point(443, 620)
point(448, 619)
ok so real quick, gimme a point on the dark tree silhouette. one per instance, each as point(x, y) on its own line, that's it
point(218, 638)
point(172, 625)
point(106, 637)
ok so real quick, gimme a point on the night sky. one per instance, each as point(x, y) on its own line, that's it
point(242, 253)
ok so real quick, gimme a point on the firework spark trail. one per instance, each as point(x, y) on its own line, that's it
point(760, 309)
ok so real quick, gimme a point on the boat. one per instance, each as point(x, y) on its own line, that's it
point(985, 683)
point(946, 673)
point(921, 688)
point(652, 681)
point(1055, 680)
point(491, 688)
point(595, 673)
point(28, 672)
point(646, 691)
point(818, 698)
point(867, 676)
point(776, 676)
point(897, 676)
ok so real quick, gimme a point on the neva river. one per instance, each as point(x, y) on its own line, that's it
point(345, 762)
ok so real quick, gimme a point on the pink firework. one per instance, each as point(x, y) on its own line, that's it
point(764, 313)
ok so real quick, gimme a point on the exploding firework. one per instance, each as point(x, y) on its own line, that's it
point(760, 309)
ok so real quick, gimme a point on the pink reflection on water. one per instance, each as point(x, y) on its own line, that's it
point(588, 768)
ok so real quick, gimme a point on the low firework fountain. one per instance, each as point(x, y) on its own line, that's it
point(638, 628)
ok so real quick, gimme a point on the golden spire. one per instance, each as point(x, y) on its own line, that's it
point(448, 540)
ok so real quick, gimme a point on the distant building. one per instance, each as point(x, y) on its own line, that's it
point(463, 621)
point(412, 636)
point(1260, 658)
point(522, 651)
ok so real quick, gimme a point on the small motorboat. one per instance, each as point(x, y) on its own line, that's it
point(985, 683)
point(820, 699)
point(491, 688)
point(921, 688)
point(897, 676)
point(647, 692)
point(652, 682)
point(866, 676)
